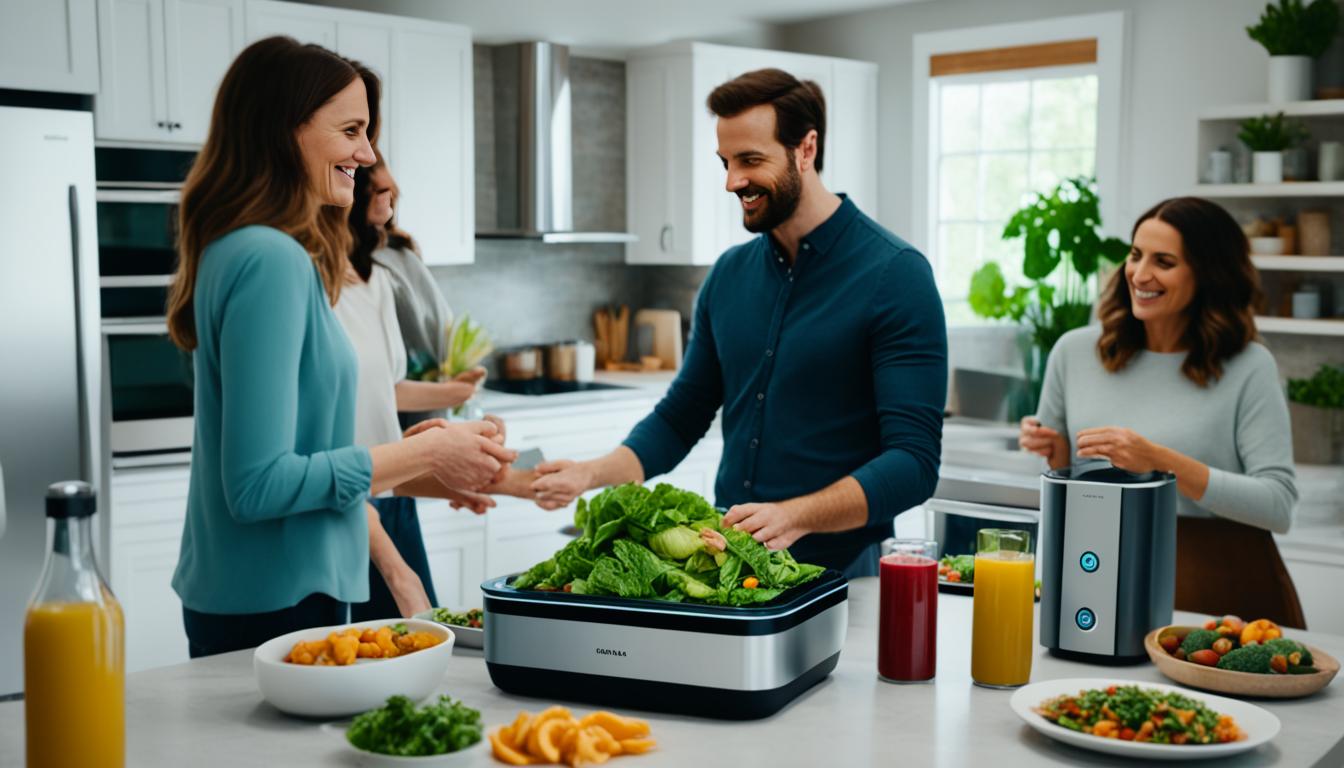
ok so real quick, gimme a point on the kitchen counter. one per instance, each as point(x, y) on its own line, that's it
point(209, 713)
point(645, 387)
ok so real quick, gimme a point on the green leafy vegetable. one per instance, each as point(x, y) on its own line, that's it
point(676, 543)
point(399, 628)
point(399, 728)
point(643, 543)
point(468, 344)
point(472, 618)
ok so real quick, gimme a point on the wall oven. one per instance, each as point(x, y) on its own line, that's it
point(147, 381)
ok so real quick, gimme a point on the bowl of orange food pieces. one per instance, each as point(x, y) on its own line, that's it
point(347, 669)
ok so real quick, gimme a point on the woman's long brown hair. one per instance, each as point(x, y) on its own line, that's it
point(1220, 320)
point(251, 169)
point(368, 238)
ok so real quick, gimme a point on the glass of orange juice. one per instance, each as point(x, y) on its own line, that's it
point(1001, 629)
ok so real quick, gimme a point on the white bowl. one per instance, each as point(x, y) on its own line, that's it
point(338, 691)
point(467, 637)
point(1267, 246)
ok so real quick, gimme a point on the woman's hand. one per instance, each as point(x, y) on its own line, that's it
point(474, 377)
point(560, 482)
point(408, 591)
point(478, 503)
point(421, 426)
point(1043, 441)
point(464, 455)
point(1124, 448)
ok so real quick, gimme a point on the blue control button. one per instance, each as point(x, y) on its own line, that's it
point(1089, 562)
point(1085, 619)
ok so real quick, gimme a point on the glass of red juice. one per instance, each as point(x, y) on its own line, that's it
point(907, 626)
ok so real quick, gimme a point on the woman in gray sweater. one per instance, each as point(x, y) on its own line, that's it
point(1173, 379)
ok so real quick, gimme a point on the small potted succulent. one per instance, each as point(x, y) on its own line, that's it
point(1316, 406)
point(1294, 34)
point(1267, 137)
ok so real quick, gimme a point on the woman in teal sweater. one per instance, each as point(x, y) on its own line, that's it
point(276, 537)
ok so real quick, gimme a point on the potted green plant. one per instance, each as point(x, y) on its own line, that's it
point(1316, 406)
point(1063, 249)
point(1294, 34)
point(1267, 136)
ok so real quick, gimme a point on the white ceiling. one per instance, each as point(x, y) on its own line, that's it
point(612, 27)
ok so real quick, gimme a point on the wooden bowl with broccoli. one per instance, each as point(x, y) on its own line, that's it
point(1241, 658)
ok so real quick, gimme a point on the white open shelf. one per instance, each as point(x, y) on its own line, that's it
point(1316, 108)
point(1298, 263)
point(1286, 189)
point(1301, 327)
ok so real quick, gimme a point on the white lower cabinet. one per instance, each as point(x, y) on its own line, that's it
point(455, 545)
point(1317, 569)
point(149, 507)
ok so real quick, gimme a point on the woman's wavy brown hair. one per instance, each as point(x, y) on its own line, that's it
point(251, 169)
point(368, 238)
point(1221, 315)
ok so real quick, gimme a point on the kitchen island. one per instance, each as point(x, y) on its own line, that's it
point(209, 713)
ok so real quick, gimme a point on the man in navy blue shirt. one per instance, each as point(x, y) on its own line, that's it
point(823, 341)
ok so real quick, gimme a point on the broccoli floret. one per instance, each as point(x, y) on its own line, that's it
point(1286, 647)
point(1248, 658)
point(1198, 640)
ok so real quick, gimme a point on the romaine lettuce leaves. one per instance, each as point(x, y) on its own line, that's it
point(642, 543)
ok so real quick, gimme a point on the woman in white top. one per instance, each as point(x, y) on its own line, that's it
point(1175, 380)
point(369, 309)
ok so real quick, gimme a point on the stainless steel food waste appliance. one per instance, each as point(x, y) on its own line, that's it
point(1108, 560)
point(704, 660)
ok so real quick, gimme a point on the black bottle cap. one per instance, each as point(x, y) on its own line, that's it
point(71, 498)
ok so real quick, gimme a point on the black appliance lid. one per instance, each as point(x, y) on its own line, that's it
point(1102, 471)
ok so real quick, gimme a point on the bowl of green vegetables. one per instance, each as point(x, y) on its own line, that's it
point(468, 625)
point(443, 732)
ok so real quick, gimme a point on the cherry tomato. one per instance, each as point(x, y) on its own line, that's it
point(1208, 657)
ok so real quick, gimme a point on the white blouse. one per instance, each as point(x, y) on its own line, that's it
point(368, 313)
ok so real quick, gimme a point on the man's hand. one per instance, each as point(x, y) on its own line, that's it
point(775, 524)
point(1125, 448)
point(560, 482)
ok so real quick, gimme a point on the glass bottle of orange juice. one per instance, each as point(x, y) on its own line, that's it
point(74, 647)
point(1001, 620)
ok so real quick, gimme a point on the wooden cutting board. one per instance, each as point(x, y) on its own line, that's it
point(666, 324)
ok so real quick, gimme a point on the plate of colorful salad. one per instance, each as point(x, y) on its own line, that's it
point(468, 625)
point(1149, 721)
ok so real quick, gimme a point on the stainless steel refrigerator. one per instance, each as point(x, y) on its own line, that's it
point(49, 346)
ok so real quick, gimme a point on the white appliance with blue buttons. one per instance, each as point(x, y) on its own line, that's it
point(1108, 560)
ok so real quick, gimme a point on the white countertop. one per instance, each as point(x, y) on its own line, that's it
point(639, 387)
point(209, 713)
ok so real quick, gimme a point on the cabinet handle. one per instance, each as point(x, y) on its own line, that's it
point(177, 126)
point(665, 238)
point(164, 125)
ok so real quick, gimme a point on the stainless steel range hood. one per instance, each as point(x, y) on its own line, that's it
point(533, 160)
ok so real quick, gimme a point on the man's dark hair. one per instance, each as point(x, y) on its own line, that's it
point(799, 105)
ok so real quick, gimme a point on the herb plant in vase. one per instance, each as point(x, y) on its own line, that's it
point(1267, 137)
point(1294, 34)
point(1063, 250)
point(1316, 407)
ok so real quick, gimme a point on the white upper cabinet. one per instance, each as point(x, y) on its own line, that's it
point(162, 61)
point(51, 45)
point(426, 131)
point(203, 38)
point(676, 200)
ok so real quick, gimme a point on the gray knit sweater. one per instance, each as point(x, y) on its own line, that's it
point(1237, 425)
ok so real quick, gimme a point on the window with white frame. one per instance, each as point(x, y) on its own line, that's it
point(1001, 112)
point(999, 138)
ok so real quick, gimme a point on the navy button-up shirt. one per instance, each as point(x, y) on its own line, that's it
point(835, 366)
